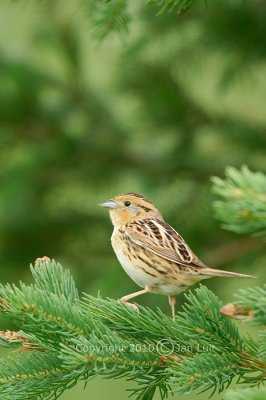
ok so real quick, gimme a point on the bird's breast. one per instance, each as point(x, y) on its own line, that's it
point(134, 260)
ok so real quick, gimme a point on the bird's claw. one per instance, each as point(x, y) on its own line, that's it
point(132, 305)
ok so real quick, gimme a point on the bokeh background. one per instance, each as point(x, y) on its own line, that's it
point(157, 111)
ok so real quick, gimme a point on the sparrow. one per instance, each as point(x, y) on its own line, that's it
point(152, 253)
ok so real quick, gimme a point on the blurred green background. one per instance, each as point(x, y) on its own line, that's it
point(158, 111)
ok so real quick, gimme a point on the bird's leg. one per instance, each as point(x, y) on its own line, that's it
point(135, 294)
point(172, 301)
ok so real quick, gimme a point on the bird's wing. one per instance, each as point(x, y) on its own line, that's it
point(161, 239)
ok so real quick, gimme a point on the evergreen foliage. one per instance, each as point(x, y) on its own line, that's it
point(255, 299)
point(70, 339)
point(242, 201)
point(112, 16)
point(172, 5)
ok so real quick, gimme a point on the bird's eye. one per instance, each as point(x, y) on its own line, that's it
point(127, 203)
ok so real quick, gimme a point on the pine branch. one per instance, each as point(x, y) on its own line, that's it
point(241, 204)
point(255, 299)
point(180, 6)
point(250, 305)
point(63, 339)
point(33, 376)
point(110, 16)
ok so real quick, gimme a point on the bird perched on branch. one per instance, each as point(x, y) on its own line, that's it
point(151, 252)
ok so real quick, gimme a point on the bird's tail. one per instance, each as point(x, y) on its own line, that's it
point(228, 274)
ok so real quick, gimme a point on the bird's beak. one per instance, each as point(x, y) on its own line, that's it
point(109, 204)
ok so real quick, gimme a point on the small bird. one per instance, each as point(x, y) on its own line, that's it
point(151, 252)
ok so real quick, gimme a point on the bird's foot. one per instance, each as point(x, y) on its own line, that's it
point(132, 305)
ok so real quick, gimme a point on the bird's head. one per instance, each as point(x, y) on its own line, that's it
point(130, 207)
